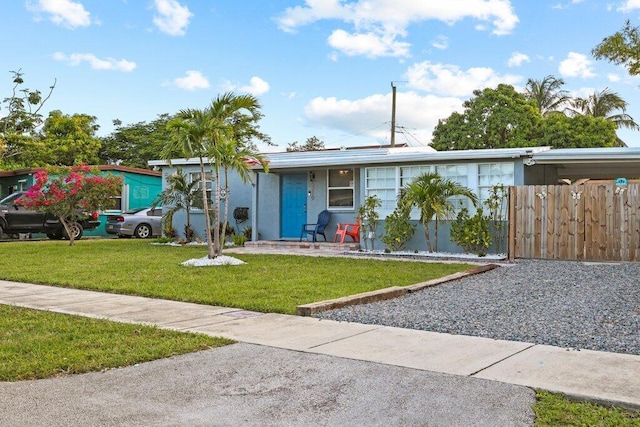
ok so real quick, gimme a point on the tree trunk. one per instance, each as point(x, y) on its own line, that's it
point(65, 224)
point(216, 216)
point(211, 254)
point(426, 235)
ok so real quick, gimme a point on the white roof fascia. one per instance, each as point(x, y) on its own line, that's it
point(374, 156)
point(591, 155)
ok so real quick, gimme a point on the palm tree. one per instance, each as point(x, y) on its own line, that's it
point(547, 94)
point(231, 118)
point(234, 157)
point(180, 194)
point(604, 104)
point(430, 193)
point(189, 137)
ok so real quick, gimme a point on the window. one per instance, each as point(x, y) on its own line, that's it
point(195, 176)
point(386, 182)
point(382, 182)
point(340, 192)
point(490, 174)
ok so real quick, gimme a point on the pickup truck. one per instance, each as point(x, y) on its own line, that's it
point(16, 219)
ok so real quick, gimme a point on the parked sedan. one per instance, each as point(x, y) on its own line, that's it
point(142, 223)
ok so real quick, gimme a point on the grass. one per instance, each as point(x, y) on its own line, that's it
point(38, 344)
point(554, 409)
point(266, 283)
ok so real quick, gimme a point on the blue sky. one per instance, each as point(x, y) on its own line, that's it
point(319, 67)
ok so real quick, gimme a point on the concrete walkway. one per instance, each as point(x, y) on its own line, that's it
point(590, 375)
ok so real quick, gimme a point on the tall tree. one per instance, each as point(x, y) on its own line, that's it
point(547, 94)
point(20, 119)
point(312, 144)
point(608, 105)
point(494, 118)
point(621, 48)
point(560, 131)
point(189, 130)
point(66, 141)
point(232, 119)
point(431, 194)
point(135, 144)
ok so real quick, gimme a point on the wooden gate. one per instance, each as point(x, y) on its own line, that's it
point(595, 221)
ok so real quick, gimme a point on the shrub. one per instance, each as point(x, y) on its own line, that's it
point(398, 230)
point(471, 233)
point(239, 239)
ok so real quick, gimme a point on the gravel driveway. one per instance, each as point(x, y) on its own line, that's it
point(569, 304)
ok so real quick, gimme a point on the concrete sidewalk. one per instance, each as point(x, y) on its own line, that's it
point(588, 375)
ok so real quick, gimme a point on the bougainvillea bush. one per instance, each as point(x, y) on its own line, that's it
point(67, 192)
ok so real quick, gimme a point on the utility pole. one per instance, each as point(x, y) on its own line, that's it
point(393, 115)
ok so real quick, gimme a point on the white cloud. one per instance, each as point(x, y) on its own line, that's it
point(576, 65)
point(613, 78)
point(441, 42)
point(629, 6)
point(193, 80)
point(367, 44)
point(371, 116)
point(63, 12)
point(450, 80)
point(517, 59)
point(388, 19)
point(256, 87)
point(96, 63)
point(171, 18)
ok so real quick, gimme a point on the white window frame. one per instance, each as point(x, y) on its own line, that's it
point(350, 187)
point(208, 182)
point(506, 177)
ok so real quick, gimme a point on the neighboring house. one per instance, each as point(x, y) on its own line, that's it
point(140, 188)
point(301, 184)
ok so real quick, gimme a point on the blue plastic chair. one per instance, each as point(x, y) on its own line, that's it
point(314, 229)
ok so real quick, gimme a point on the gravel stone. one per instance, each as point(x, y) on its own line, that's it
point(578, 305)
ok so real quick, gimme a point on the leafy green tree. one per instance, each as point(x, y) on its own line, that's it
point(431, 194)
point(20, 119)
point(65, 141)
point(180, 194)
point(312, 144)
point(135, 144)
point(621, 48)
point(608, 105)
point(547, 94)
point(494, 118)
point(560, 131)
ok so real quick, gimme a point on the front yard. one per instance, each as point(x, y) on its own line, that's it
point(266, 283)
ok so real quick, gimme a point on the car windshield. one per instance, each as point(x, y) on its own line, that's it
point(10, 199)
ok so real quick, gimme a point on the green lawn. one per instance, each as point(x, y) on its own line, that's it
point(266, 283)
point(553, 409)
point(38, 344)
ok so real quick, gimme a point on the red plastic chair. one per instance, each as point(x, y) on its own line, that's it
point(344, 230)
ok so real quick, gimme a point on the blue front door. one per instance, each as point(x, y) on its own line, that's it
point(293, 209)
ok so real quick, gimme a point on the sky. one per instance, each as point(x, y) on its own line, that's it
point(322, 68)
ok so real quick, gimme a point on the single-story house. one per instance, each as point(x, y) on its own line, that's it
point(299, 185)
point(140, 188)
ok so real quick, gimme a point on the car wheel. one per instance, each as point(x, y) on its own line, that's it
point(76, 230)
point(143, 231)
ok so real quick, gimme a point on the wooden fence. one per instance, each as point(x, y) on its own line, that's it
point(595, 221)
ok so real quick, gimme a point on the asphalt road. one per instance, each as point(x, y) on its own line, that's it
point(250, 385)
